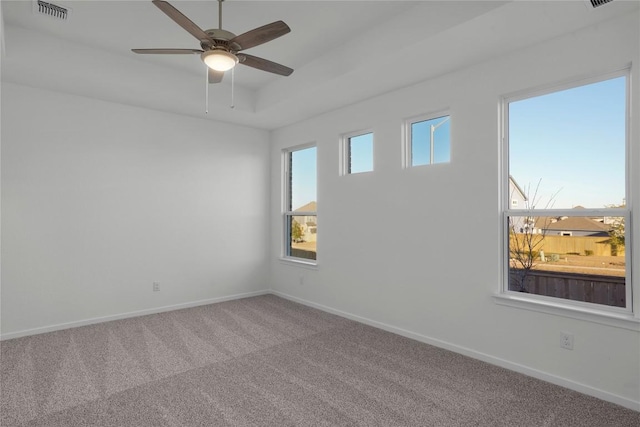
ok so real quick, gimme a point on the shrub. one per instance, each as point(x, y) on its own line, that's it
point(588, 252)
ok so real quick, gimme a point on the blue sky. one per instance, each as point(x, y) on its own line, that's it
point(304, 177)
point(361, 153)
point(421, 141)
point(572, 142)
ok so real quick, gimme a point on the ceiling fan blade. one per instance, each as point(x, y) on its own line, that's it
point(182, 20)
point(264, 64)
point(261, 35)
point(215, 76)
point(167, 51)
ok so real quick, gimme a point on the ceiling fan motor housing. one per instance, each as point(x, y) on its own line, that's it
point(221, 37)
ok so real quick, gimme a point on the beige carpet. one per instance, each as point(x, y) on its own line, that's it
point(266, 361)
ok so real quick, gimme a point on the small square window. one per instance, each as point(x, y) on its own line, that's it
point(357, 153)
point(428, 140)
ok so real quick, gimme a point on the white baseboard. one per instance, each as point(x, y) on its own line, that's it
point(553, 379)
point(75, 324)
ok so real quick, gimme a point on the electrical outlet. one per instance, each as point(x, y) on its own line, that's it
point(156, 287)
point(566, 340)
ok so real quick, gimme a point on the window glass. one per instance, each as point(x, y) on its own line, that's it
point(430, 141)
point(303, 177)
point(573, 258)
point(570, 145)
point(302, 233)
point(360, 153)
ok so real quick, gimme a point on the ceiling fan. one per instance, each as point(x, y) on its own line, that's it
point(220, 48)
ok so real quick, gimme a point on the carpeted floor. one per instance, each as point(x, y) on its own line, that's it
point(266, 361)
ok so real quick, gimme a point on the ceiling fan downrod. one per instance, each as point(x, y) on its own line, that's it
point(220, 14)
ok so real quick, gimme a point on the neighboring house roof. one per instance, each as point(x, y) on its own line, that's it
point(573, 223)
point(309, 207)
point(517, 188)
point(544, 221)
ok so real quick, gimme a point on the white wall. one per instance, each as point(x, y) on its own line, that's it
point(100, 200)
point(399, 265)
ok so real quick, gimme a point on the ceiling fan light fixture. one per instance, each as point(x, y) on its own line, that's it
point(219, 60)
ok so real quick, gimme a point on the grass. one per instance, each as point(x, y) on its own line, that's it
point(605, 265)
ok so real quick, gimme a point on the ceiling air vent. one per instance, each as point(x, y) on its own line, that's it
point(50, 9)
point(592, 4)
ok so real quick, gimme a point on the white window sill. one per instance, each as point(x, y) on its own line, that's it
point(559, 308)
point(299, 262)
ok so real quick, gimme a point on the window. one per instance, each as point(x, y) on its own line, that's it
point(565, 156)
point(357, 153)
point(427, 140)
point(300, 218)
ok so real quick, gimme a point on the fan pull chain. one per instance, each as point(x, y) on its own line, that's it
point(233, 80)
point(206, 90)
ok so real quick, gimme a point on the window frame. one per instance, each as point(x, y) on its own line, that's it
point(286, 208)
point(345, 151)
point(600, 313)
point(407, 138)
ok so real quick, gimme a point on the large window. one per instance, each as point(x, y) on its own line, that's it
point(566, 218)
point(300, 204)
point(427, 140)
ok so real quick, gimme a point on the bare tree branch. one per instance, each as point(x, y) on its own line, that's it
point(526, 238)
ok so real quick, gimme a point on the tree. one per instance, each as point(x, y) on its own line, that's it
point(297, 232)
point(617, 231)
point(526, 238)
point(524, 248)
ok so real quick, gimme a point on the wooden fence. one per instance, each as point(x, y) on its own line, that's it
point(598, 246)
point(607, 290)
point(301, 253)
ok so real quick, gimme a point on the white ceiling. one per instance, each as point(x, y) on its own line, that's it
point(342, 51)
